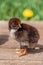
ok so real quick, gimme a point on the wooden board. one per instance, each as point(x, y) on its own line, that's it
point(8, 47)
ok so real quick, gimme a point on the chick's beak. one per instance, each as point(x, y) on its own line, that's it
point(19, 26)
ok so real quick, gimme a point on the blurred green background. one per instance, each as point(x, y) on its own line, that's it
point(14, 8)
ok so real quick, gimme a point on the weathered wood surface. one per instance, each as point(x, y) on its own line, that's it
point(8, 47)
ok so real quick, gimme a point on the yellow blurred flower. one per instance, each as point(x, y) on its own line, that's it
point(28, 13)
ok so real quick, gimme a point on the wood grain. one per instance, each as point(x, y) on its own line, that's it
point(8, 46)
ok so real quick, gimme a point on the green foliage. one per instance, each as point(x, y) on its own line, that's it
point(14, 8)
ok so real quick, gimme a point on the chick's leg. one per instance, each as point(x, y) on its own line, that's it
point(22, 51)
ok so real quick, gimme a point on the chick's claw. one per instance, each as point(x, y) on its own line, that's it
point(22, 52)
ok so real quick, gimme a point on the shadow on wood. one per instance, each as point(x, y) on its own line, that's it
point(3, 39)
point(38, 50)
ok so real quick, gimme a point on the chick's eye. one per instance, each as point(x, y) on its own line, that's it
point(12, 26)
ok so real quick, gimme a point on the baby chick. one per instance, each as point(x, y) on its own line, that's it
point(25, 34)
